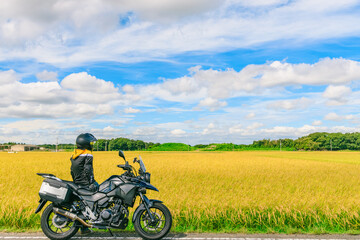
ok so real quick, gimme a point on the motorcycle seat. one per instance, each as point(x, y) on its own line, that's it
point(79, 189)
point(85, 192)
point(72, 185)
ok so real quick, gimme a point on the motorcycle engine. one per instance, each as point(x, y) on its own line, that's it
point(106, 214)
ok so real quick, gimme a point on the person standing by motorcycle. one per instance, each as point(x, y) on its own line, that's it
point(82, 170)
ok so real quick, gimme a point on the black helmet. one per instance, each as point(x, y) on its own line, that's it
point(84, 140)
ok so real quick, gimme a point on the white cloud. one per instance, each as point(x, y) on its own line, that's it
point(337, 95)
point(165, 11)
point(83, 82)
point(236, 129)
point(326, 71)
point(131, 110)
point(8, 77)
point(110, 129)
point(28, 110)
point(47, 76)
point(37, 124)
point(250, 115)
point(49, 99)
point(260, 3)
point(254, 125)
point(290, 104)
point(128, 89)
point(317, 123)
point(335, 117)
point(83, 96)
point(292, 131)
point(71, 33)
point(336, 92)
point(212, 104)
point(106, 132)
point(177, 132)
point(210, 87)
point(211, 129)
point(41, 131)
point(146, 131)
point(251, 129)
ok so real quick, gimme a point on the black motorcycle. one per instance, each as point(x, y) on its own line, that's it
point(73, 207)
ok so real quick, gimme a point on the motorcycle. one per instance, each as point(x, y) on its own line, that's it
point(73, 207)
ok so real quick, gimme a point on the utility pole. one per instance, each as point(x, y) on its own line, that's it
point(97, 146)
point(105, 146)
point(57, 142)
point(280, 144)
point(109, 146)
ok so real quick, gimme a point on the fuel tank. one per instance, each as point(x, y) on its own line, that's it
point(116, 186)
point(109, 184)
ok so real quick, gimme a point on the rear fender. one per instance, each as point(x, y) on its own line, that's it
point(141, 207)
point(42, 203)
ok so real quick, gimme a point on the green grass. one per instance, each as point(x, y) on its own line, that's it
point(247, 220)
point(252, 220)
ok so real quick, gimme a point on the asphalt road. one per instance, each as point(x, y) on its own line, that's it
point(191, 236)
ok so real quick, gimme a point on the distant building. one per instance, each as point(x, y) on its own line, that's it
point(23, 147)
point(5, 147)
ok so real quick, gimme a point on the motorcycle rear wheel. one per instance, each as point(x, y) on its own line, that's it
point(157, 229)
point(57, 227)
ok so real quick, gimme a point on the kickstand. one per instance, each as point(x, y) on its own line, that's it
point(111, 233)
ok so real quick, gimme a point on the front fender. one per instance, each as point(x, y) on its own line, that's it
point(141, 207)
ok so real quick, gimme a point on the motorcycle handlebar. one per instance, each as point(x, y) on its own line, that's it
point(127, 167)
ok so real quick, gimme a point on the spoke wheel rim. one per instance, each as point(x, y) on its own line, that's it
point(57, 224)
point(153, 227)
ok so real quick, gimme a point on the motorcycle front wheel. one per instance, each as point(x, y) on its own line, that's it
point(156, 229)
point(57, 227)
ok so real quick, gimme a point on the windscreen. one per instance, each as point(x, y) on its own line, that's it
point(142, 166)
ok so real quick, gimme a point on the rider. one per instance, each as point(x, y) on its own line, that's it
point(82, 170)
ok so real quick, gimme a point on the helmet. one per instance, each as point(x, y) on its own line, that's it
point(84, 141)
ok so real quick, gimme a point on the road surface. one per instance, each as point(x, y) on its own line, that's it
point(185, 236)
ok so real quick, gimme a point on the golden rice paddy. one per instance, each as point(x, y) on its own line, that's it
point(259, 191)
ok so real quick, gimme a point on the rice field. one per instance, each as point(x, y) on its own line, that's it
point(260, 191)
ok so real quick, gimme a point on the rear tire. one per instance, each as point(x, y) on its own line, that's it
point(57, 227)
point(148, 230)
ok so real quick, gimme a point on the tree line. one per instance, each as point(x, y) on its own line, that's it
point(318, 141)
point(109, 145)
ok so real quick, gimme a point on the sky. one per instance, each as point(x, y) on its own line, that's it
point(205, 71)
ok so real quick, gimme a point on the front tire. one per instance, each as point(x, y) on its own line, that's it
point(57, 227)
point(157, 229)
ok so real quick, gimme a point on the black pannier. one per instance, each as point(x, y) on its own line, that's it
point(55, 191)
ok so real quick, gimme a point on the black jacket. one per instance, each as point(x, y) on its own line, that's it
point(82, 170)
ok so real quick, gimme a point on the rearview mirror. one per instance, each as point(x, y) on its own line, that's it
point(121, 154)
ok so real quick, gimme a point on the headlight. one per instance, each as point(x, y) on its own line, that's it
point(147, 177)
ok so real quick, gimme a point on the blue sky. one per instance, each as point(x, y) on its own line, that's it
point(178, 71)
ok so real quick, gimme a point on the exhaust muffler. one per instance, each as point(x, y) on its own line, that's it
point(72, 216)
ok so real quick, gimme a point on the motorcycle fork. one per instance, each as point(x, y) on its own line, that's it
point(146, 202)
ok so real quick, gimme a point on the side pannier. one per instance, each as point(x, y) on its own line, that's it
point(55, 191)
